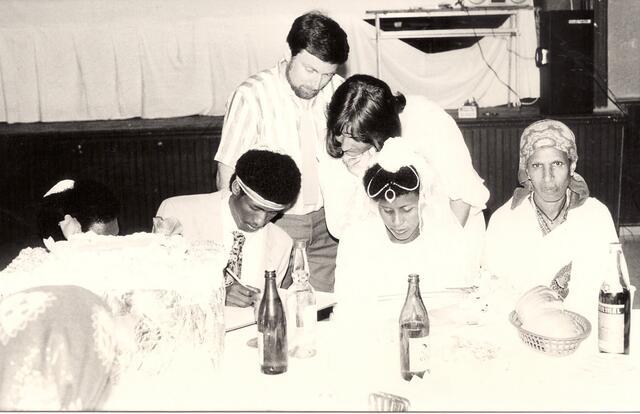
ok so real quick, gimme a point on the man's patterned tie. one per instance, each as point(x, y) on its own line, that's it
point(235, 257)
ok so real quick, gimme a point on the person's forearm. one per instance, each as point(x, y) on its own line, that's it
point(460, 210)
point(223, 176)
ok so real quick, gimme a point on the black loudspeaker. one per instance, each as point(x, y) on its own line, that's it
point(565, 59)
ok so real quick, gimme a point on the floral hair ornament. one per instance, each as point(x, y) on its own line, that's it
point(257, 197)
point(60, 187)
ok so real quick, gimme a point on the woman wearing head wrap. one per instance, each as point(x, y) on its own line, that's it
point(57, 350)
point(551, 232)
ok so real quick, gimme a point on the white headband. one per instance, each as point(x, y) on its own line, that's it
point(61, 186)
point(257, 197)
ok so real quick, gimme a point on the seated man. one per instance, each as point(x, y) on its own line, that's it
point(264, 185)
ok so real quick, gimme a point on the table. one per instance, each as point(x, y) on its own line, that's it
point(237, 318)
point(480, 367)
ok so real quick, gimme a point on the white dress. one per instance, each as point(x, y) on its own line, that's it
point(439, 140)
point(371, 286)
point(518, 253)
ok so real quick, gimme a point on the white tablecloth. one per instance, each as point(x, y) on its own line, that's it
point(73, 60)
point(477, 368)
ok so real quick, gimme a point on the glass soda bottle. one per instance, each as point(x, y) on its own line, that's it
point(301, 306)
point(614, 306)
point(272, 329)
point(414, 333)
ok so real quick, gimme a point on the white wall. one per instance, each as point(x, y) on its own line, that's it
point(624, 48)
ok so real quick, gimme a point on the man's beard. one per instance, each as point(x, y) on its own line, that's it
point(301, 91)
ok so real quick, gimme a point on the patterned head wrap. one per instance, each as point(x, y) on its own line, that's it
point(57, 351)
point(546, 133)
point(543, 134)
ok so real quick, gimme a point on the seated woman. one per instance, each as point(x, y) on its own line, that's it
point(413, 231)
point(362, 114)
point(57, 350)
point(550, 232)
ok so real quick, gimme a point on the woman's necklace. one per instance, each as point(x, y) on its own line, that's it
point(547, 223)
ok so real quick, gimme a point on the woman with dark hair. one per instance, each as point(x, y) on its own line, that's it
point(362, 115)
point(79, 206)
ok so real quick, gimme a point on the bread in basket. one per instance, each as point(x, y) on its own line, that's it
point(544, 325)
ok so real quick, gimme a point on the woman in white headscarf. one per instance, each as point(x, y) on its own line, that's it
point(551, 233)
point(411, 230)
point(57, 350)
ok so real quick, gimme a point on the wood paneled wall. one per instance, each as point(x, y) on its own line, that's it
point(145, 161)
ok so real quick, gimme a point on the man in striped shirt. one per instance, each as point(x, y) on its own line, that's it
point(284, 108)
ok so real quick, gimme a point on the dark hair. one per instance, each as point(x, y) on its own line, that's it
point(376, 177)
point(319, 35)
point(274, 176)
point(89, 202)
point(365, 108)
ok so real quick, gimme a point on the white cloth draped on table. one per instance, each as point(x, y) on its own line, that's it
point(66, 60)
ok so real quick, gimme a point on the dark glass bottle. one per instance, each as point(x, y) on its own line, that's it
point(414, 333)
point(614, 306)
point(272, 329)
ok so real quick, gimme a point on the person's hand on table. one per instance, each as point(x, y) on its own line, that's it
point(241, 296)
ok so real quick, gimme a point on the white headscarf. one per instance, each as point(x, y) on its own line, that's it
point(432, 202)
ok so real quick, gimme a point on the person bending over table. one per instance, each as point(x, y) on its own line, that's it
point(285, 107)
point(550, 232)
point(264, 185)
point(58, 350)
point(78, 206)
point(70, 207)
point(362, 114)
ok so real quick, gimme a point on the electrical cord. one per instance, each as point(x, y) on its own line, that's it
point(466, 9)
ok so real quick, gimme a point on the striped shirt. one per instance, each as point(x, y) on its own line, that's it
point(265, 112)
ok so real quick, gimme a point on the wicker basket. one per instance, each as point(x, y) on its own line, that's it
point(553, 346)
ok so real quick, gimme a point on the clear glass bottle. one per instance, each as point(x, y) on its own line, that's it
point(272, 329)
point(301, 306)
point(414, 333)
point(614, 306)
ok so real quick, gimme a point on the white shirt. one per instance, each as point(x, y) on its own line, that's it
point(264, 111)
point(437, 137)
point(207, 217)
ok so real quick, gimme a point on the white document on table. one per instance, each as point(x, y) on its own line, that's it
point(236, 318)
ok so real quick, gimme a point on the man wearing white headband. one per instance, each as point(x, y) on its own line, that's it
point(264, 185)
